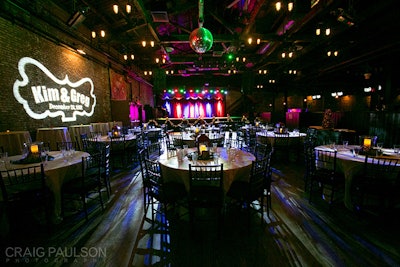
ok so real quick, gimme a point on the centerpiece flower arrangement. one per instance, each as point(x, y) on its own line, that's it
point(32, 153)
point(116, 131)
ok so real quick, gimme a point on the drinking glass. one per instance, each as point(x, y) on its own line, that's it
point(345, 143)
point(45, 154)
point(194, 158)
point(356, 151)
point(396, 149)
point(379, 146)
point(4, 159)
point(64, 152)
point(215, 157)
point(214, 145)
point(179, 154)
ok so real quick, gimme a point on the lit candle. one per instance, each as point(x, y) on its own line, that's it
point(202, 148)
point(34, 149)
point(367, 142)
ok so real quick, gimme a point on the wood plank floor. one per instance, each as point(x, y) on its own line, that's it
point(295, 234)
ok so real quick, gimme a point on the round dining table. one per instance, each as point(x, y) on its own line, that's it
point(60, 169)
point(189, 138)
point(268, 137)
point(53, 135)
point(75, 132)
point(236, 166)
point(101, 127)
point(13, 141)
point(351, 165)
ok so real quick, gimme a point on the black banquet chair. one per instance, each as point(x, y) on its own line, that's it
point(325, 177)
point(159, 196)
point(206, 194)
point(376, 189)
point(86, 186)
point(24, 189)
point(245, 193)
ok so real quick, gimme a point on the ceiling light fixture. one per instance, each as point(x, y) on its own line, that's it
point(128, 8)
point(201, 39)
point(115, 9)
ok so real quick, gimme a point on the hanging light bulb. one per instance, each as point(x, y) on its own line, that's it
point(128, 8)
point(115, 9)
point(126, 57)
point(102, 33)
point(290, 6)
point(278, 6)
point(327, 31)
point(93, 34)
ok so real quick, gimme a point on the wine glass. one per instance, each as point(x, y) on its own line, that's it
point(3, 159)
point(45, 154)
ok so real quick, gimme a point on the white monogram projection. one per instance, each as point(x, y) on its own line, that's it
point(44, 95)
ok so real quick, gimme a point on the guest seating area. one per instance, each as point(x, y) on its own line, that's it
point(250, 187)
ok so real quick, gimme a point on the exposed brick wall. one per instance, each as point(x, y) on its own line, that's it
point(17, 42)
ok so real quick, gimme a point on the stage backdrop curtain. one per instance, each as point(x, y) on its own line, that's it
point(194, 108)
point(194, 105)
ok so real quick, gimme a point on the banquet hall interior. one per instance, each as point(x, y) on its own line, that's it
point(199, 133)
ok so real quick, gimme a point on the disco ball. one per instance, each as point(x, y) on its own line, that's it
point(201, 40)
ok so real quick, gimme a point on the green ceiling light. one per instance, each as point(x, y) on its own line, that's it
point(201, 39)
point(230, 56)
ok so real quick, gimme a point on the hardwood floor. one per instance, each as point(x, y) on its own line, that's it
point(295, 234)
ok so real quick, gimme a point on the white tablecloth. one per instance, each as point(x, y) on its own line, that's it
point(190, 140)
point(178, 171)
point(268, 137)
point(53, 135)
point(350, 166)
point(57, 171)
point(13, 141)
point(101, 127)
point(75, 132)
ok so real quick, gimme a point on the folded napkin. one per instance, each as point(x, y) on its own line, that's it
point(29, 160)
